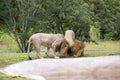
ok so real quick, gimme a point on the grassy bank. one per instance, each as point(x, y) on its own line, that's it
point(105, 48)
point(103, 45)
point(11, 58)
point(7, 59)
point(102, 48)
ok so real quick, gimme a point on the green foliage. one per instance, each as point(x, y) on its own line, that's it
point(7, 43)
point(107, 12)
point(95, 32)
point(61, 15)
point(18, 22)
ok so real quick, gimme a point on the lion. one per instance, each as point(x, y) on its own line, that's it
point(47, 40)
point(70, 37)
point(63, 48)
point(76, 47)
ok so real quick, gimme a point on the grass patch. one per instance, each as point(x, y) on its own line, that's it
point(103, 48)
point(96, 54)
point(7, 59)
point(11, 58)
point(4, 77)
point(103, 45)
point(7, 43)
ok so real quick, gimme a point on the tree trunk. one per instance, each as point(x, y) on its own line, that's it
point(23, 45)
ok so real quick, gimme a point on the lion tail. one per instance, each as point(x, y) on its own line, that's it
point(28, 50)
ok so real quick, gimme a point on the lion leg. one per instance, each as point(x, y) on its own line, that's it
point(54, 52)
point(48, 48)
point(56, 43)
point(38, 53)
point(37, 47)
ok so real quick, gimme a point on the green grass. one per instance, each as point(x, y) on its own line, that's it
point(7, 43)
point(96, 54)
point(103, 45)
point(103, 48)
point(4, 77)
point(11, 58)
point(108, 47)
point(7, 59)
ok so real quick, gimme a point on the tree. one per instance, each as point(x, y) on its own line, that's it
point(95, 32)
point(21, 13)
point(60, 15)
point(110, 20)
point(107, 13)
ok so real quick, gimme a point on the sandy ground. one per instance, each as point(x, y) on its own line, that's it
point(97, 68)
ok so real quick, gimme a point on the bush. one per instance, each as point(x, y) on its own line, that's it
point(7, 43)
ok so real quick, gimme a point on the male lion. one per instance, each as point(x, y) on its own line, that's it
point(76, 47)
